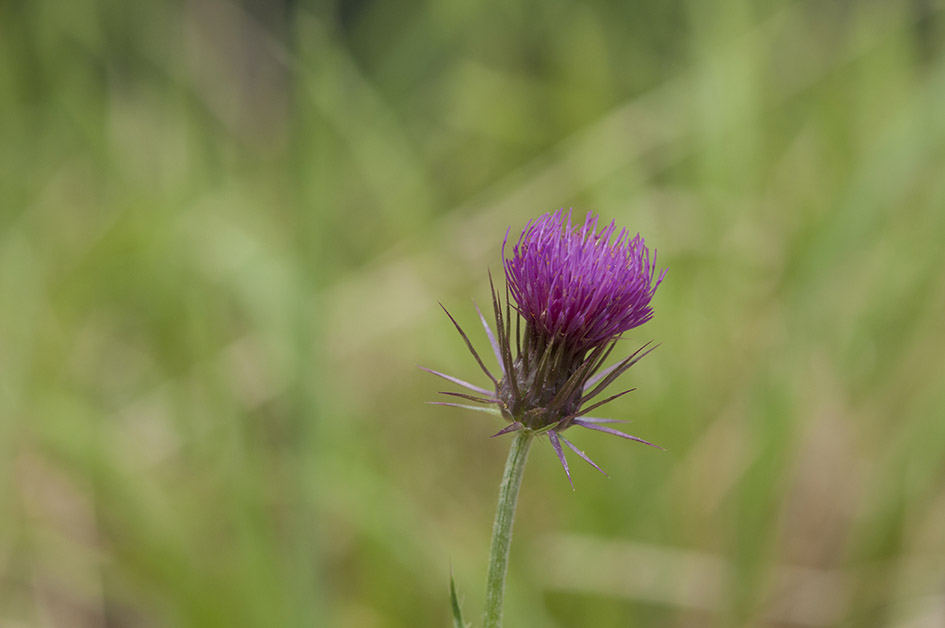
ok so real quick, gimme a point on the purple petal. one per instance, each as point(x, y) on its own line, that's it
point(582, 454)
point(583, 283)
point(457, 380)
point(556, 444)
point(609, 430)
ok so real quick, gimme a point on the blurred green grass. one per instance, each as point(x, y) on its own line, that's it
point(225, 228)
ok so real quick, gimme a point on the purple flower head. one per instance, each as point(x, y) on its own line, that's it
point(577, 290)
point(577, 283)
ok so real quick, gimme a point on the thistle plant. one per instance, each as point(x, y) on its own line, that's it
point(572, 290)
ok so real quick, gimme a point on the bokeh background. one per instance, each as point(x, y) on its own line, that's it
point(224, 229)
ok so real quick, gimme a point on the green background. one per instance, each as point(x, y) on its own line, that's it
point(225, 228)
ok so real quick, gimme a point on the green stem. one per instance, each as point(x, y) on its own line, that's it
point(502, 528)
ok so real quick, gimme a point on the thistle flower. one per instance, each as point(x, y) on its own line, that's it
point(575, 289)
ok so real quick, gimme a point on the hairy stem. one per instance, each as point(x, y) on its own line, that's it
point(502, 528)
